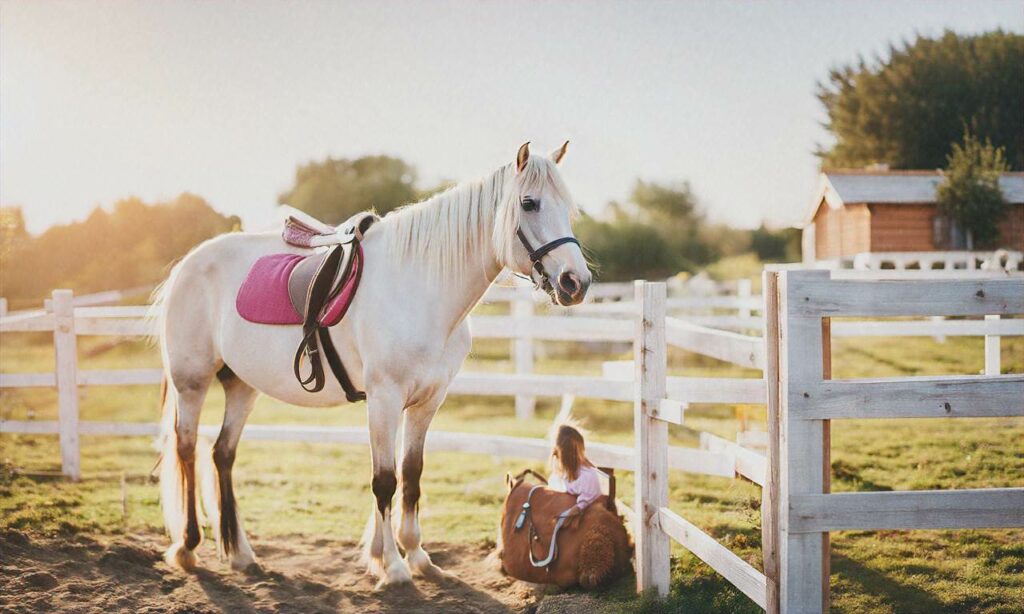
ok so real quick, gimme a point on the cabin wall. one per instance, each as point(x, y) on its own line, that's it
point(826, 233)
point(1011, 229)
point(841, 232)
point(901, 227)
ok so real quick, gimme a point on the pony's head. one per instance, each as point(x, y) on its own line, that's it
point(533, 234)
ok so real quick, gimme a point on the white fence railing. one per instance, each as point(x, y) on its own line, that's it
point(808, 398)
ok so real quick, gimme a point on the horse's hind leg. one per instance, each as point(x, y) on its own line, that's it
point(178, 469)
point(218, 491)
point(417, 421)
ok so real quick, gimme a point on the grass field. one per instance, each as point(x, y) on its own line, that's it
point(320, 489)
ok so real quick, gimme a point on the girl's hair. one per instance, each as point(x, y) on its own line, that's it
point(569, 453)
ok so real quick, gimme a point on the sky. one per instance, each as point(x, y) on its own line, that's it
point(104, 100)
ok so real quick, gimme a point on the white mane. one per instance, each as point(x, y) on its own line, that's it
point(449, 231)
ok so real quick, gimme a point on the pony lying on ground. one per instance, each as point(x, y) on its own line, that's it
point(592, 548)
point(402, 340)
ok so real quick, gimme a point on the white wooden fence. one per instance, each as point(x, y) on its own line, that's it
point(793, 353)
point(808, 398)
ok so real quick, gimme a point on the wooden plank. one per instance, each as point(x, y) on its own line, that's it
point(28, 380)
point(738, 572)
point(670, 411)
point(961, 297)
point(115, 311)
point(619, 370)
point(993, 361)
point(65, 349)
point(947, 396)
point(649, 357)
point(976, 508)
point(28, 322)
point(917, 275)
point(742, 303)
point(703, 462)
point(742, 350)
point(551, 328)
point(770, 488)
point(801, 456)
point(122, 377)
point(717, 390)
point(121, 327)
point(928, 328)
point(826, 465)
point(748, 463)
point(510, 384)
point(522, 354)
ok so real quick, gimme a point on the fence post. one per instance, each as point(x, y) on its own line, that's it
point(992, 359)
point(770, 490)
point(651, 447)
point(802, 576)
point(522, 349)
point(65, 349)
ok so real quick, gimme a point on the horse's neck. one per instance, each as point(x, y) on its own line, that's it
point(458, 293)
point(462, 295)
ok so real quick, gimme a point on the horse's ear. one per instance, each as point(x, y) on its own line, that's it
point(522, 156)
point(559, 153)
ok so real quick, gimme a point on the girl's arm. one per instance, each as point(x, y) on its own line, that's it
point(587, 488)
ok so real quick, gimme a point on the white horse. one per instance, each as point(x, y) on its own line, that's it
point(403, 339)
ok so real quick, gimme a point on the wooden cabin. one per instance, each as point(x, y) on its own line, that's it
point(860, 212)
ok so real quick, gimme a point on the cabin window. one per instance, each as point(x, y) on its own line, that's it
point(948, 235)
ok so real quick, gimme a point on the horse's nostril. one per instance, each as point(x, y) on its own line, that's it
point(570, 283)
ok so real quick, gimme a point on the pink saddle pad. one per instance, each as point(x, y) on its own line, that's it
point(263, 297)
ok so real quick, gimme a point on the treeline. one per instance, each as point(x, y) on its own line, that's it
point(133, 244)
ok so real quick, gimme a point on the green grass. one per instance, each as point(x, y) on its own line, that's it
point(324, 489)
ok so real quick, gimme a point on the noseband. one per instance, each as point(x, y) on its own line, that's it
point(537, 254)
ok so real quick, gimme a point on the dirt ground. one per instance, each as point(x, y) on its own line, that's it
point(82, 574)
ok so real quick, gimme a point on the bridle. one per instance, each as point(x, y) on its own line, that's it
point(536, 255)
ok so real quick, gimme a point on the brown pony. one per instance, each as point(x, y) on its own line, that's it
point(593, 548)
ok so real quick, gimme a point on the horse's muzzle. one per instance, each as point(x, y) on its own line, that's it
point(571, 289)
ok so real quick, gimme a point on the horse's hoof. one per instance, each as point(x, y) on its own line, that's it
point(420, 563)
point(252, 566)
point(397, 574)
point(181, 557)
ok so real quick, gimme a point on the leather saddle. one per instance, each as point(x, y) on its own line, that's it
point(321, 287)
point(313, 289)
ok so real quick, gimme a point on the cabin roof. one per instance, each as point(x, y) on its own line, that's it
point(842, 187)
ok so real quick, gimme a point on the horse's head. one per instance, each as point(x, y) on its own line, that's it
point(539, 215)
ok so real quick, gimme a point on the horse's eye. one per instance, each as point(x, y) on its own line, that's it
point(529, 204)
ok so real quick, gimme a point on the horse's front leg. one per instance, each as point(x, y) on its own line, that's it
point(417, 421)
point(384, 407)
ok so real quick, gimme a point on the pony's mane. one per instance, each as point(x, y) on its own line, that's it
point(447, 229)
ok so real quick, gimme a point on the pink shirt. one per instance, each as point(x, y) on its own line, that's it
point(586, 486)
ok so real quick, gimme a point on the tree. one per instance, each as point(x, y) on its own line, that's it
point(12, 230)
point(970, 193)
point(626, 249)
point(907, 110)
point(337, 188)
point(131, 245)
